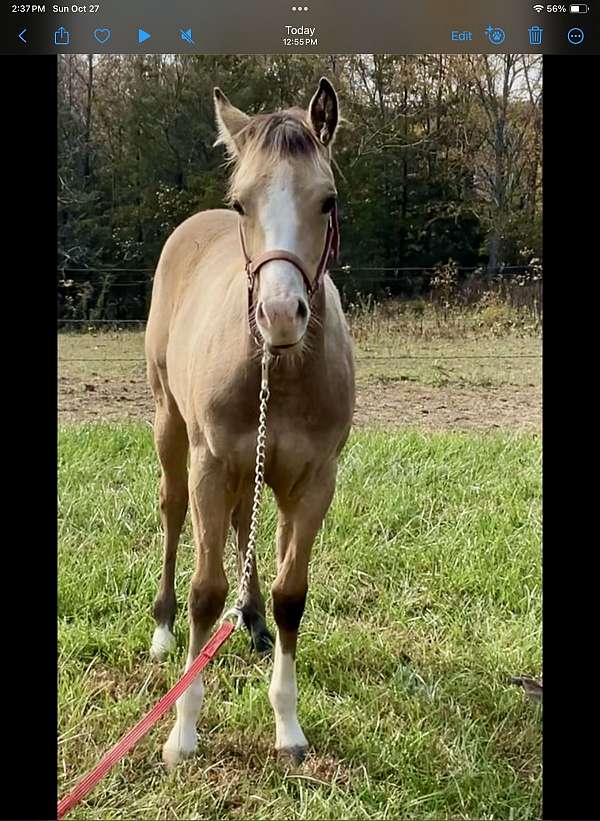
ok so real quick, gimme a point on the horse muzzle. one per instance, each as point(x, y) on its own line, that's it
point(282, 323)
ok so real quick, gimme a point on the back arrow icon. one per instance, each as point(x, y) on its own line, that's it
point(21, 36)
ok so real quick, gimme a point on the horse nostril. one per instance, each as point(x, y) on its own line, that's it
point(302, 309)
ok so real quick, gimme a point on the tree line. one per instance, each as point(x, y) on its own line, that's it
point(438, 160)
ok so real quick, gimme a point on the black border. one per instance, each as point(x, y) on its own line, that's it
point(571, 229)
point(571, 320)
point(29, 664)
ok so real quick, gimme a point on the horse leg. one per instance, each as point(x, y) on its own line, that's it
point(253, 608)
point(299, 523)
point(211, 505)
point(171, 441)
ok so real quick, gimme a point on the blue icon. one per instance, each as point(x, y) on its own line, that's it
point(495, 35)
point(186, 35)
point(143, 36)
point(21, 38)
point(575, 36)
point(102, 35)
point(61, 37)
point(535, 36)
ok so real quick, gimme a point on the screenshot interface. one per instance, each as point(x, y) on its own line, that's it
point(299, 280)
point(276, 27)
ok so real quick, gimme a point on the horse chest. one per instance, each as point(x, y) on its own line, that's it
point(301, 429)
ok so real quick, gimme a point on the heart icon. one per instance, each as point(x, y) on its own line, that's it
point(102, 35)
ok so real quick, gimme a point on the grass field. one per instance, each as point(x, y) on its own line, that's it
point(424, 598)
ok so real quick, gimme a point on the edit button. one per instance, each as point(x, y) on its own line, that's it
point(462, 36)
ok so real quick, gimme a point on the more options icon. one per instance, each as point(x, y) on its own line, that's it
point(575, 36)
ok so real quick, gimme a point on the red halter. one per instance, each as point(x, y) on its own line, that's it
point(331, 251)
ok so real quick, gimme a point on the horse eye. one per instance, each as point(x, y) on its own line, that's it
point(328, 205)
point(237, 206)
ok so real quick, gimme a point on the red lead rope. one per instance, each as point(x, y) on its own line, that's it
point(122, 747)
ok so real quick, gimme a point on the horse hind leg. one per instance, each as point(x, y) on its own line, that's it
point(172, 447)
point(253, 609)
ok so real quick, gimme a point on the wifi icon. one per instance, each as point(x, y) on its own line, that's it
point(538, 9)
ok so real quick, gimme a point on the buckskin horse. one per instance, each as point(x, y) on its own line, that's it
point(228, 282)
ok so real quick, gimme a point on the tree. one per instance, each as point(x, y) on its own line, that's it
point(438, 157)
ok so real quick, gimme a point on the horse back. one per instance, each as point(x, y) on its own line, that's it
point(179, 263)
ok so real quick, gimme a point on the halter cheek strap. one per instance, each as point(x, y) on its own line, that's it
point(331, 250)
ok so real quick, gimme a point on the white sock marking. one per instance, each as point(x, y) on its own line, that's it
point(283, 695)
point(163, 641)
point(182, 740)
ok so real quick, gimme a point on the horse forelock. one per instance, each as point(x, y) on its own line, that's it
point(271, 138)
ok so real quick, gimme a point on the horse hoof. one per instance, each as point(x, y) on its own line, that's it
point(163, 641)
point(291, 756)
point(179, 745)
point(262, 642)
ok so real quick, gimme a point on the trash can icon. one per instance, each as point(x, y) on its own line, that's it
point(535, 36)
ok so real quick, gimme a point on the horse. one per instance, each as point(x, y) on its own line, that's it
point(207, 326)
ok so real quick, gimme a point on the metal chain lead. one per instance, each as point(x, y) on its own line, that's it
point(259, 480)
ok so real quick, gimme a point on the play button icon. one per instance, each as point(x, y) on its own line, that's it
point(143, 36)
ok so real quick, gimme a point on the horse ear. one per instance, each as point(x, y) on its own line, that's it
point(323, 111)
point(230, 121)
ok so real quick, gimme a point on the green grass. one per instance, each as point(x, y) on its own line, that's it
point(424, 598)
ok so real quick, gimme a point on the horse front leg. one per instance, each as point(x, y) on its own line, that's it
point(253, 606)
point(211, 504)
point(171, 442)
point(299, 521)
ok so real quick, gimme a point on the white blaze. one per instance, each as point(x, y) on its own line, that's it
point(280, 223)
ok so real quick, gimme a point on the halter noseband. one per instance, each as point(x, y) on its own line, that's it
point(331, 250)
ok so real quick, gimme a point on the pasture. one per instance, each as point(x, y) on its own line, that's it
point(425, 580)
point(476, 368)
point(424, 591)
point(424, 598)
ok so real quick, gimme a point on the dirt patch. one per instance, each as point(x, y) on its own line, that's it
point(379, 404)
point(100, 399)
point(449, 407)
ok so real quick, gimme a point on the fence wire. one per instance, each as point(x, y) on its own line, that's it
point(347, 269)
point(353, 276)
point(361, 358)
